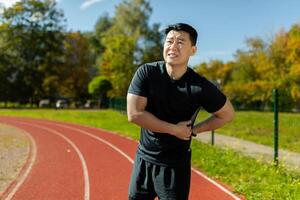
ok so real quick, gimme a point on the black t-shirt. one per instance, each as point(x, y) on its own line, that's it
point(172, 101)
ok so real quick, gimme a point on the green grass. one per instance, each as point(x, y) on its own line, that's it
point(258, 127)
point(254, 179)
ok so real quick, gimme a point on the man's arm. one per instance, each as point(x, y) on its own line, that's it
point(217, 120)
point(137, 114)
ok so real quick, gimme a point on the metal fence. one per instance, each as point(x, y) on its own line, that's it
point(118, 103)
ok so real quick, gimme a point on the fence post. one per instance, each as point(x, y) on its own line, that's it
point(275, 96)
point(212, 137)
point(218, 85)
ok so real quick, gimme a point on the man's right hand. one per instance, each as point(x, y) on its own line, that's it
point(183, 130)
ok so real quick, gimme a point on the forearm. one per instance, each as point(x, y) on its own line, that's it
point(137, 114)
point(217, 120)
point(151, 122)
point(209, 124)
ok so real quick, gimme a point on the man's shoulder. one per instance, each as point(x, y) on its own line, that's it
point(156, 64)
point(152, 66)
point(195, 76)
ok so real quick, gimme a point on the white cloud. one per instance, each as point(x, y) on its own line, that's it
point(88, 3)
point(7, 3)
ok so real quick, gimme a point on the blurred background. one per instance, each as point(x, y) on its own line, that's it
point(82, 54)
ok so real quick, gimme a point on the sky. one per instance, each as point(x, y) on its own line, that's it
point(222, 25)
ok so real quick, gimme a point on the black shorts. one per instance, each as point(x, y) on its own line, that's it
point(149, 180)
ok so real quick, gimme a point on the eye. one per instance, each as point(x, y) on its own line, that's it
point(181, 42)
point(169, 41)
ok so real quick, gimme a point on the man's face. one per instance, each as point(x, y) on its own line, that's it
point(178, 48)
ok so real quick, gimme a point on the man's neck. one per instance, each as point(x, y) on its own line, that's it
point(176, 71)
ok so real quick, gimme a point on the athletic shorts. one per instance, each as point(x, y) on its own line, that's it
point(149, 180)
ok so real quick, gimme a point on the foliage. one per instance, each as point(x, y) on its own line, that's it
point(74, 72)
point(103, 24)
point(263, 66)
point(99, 86)
point(39, 59)
point(128, 42)
point(117, 62)
point(293, 59)
point(31, 38)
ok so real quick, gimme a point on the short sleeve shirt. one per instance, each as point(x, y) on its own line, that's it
point(172, 101)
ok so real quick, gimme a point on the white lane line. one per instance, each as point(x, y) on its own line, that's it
point(131, 160)
point(97, 138)
point(24, 175)
point(83, 163)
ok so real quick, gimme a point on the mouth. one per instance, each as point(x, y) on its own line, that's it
point(172, 55)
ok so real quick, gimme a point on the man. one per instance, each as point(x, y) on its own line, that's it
point(161, 99)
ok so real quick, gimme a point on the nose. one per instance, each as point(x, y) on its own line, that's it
point(174, 45)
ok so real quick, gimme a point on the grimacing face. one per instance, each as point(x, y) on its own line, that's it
point(178, 48)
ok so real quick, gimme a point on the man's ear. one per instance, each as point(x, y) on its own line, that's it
point(194, 50)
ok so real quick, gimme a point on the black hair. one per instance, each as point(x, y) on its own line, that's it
point(186, 28)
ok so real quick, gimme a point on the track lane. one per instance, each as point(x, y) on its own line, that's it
point(201, 187)
point(108, 168)
point(48, 177)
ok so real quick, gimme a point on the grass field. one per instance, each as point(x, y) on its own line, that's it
point(254, 179)
point(258, 127)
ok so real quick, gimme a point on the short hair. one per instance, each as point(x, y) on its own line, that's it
point(186, 28)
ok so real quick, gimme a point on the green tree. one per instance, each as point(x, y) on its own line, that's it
point(32, 31)
point(117, 62)
point(73, 74)
point(6, 72)
point(128, 43)
point(151, 46)
point(263, 66)
point(212, 70)
point(99, 87)
point(293, 60)
point(249, 83)
point(103, 24)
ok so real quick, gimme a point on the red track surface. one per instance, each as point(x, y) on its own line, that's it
point(70, 162)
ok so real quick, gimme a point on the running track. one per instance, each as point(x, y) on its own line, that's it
point(70, 162)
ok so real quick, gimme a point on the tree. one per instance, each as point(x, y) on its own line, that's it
point(117, 62)
point(128, 43)
point(293, 59)
point(249, 82)
point(32, 31)
point(6, 71)
point(103, 24)
point(99, 87)
point(263, 66)
point(212, 70)
point(73, 74)
point(151, 46)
